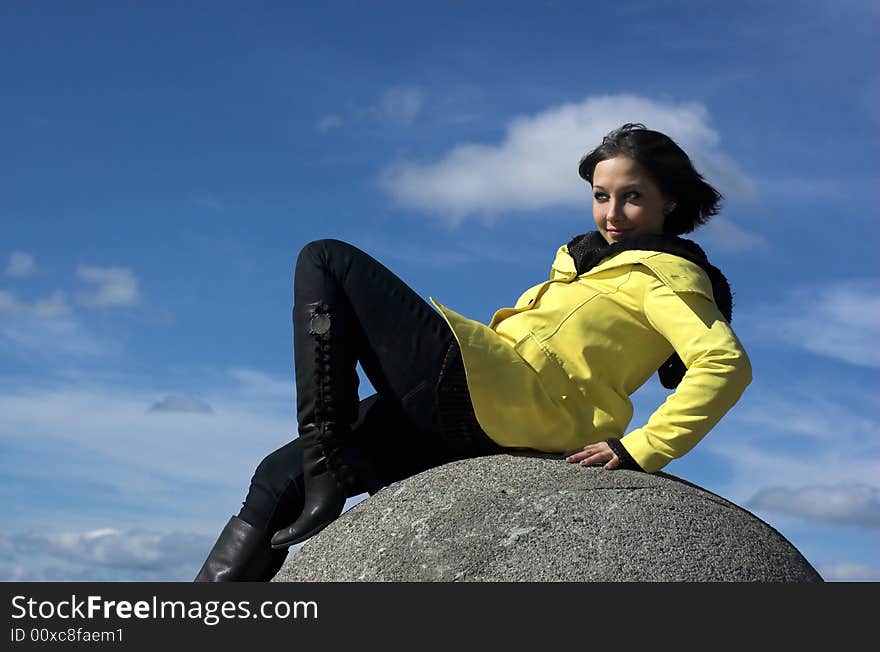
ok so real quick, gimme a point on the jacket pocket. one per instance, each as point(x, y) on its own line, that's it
point(682, 276)
point(554, 379)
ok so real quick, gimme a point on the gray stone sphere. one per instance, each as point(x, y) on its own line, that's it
point(514, 518)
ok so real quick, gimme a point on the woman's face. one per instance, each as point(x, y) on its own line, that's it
point(626, 201)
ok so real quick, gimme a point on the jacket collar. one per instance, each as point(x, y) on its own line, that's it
point(589, 252)
point(564, 262)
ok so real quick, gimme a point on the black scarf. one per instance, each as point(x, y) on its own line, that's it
point(588, 249)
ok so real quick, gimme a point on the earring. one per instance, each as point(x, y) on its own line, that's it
point(666, 211)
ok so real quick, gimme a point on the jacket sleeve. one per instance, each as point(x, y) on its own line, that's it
point(718, 371)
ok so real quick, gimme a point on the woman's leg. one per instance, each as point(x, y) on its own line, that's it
point(373, 317)
point(243, 551)
point(275, 499)
point(277, 492)
point(348, 307)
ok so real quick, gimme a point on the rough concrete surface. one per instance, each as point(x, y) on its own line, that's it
point(516, 518)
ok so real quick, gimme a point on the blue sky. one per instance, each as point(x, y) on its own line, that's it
point(165, 163)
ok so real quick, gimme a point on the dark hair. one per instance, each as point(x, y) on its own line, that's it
point(670, 167)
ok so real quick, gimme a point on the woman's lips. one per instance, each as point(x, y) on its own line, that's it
point(616, 232)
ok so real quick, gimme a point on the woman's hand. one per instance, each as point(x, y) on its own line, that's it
point(595, 454)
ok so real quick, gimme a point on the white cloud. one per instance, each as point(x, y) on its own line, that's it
point(9, 304)
point(400, 105)
point(820, 431)
point(135, 450)
point(181, 404)
point(848, 505)
point(535, 166)
point(20, 264)
point(837, 320)
point(142, 460)
point(112, 547)
point(329, 122)
point(756, 457)
point(55, 305)
point(465, 252)
point(45, 328)
point(116, 286)
point(33, 336)
point(848, 572)
point(31, 570)
point(108, 554)
point(727, 236)
point(813, 419)
point(258, 383)
point(166, 483)
point(103, 554)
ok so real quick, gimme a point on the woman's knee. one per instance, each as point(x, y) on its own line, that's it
point(321, 252)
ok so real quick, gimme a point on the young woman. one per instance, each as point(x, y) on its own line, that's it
point(554, 373)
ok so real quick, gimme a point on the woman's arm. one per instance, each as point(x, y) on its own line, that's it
point(718, 373)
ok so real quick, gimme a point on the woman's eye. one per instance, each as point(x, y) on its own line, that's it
point(601, 196)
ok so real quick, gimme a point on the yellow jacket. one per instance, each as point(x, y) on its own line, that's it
point(556, 371)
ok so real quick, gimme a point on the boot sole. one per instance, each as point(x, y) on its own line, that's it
point(299, 539)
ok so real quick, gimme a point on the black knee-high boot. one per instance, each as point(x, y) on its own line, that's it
point(334, 465)
point(241, 554)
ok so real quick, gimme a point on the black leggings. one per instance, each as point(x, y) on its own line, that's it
point(402, 343)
